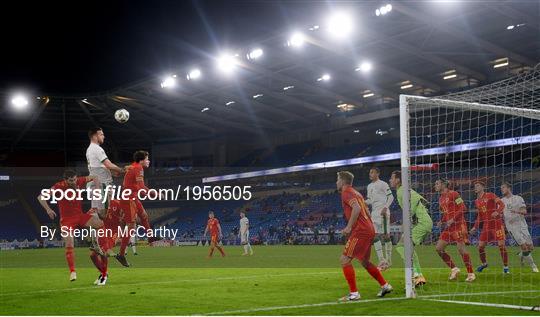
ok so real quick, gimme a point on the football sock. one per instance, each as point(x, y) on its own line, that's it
point(97, 261)
point(124, 244)
point(504, 255)
point(70, 258)
point(379, 249)
point(447, 259)
point(388, 246)
point(350, 276)
point(374, 272)
point(467, 260)
point(104, 265)
point(482, 251)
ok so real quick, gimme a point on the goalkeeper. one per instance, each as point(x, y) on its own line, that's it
point(421, 227)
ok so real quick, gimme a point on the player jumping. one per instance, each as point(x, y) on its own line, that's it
point(215, 234)
point(490, 212)
point(421, 229)
point(454, 229)
point(133, 208)
point(71, 213)
point(361, 233)
point(100, 166)
point(244, 234)
point(514, 218)
point(380, 197)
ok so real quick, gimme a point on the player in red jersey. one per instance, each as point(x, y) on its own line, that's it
point(490, 214)
point(133, 208)
point(113, 219)
point(361, 233)
point(215, 234)
point(71, 213)
point(454, 228)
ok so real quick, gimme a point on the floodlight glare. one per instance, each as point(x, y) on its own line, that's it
point(194, 74)
point(256, 53)
point(340, 25)
point(169, 82)
point(296, 40)
point(364, 67)
point(226, 63)
point(19, 102)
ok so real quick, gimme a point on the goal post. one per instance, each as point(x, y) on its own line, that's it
point(490, 133)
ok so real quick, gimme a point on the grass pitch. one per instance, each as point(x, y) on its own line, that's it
point(277, 280)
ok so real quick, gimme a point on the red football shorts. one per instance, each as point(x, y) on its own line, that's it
point(490, 235)
point(457, 233)
point(358, 247)
point(131, 208)
point(73, 222)
point(214, 238)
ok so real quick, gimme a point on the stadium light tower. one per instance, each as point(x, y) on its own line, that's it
point(194, 74)
point(19, 102)
point(169, 82)
point(297, 39)
point(226, 63)
point(340, 25)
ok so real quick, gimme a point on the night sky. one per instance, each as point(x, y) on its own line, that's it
point(71, 47)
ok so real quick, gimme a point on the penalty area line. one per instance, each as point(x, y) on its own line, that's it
point(531, 308)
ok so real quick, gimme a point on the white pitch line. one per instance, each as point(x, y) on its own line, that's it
point(259, 309)
point(531, 308)
point(241, 311)
point(162, 282)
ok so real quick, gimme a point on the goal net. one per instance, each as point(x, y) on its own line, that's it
point(485, 136)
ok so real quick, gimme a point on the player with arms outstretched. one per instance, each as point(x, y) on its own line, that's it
point(379, 197)
point(514, 219)
point(490, 214)
point(360, 234)
point(454, 228)
point(422, 224)
point(133, 208)
point(244, 234)
point(71, 213)
point(215, 234)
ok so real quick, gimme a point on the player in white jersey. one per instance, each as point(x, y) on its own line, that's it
point(514, 219)
point(100, 166)
point(244, 234)
point(379, 197)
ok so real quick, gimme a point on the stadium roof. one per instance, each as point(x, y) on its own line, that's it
point(417, 43)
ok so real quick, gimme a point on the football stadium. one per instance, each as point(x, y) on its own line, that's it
point(270, 158)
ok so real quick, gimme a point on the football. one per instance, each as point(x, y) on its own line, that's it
point(121, 115)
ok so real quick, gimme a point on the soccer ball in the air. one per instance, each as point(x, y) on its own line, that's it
point(121, 115)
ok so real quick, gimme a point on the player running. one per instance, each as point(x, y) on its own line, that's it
point(71, 213)
point(360, 231)
point(100, 166)
point(133, 208)
point(244, 234)
point(112, 221)
point(514, 219)
point(454, 229)
point(215, 234)
point(422, 224)
point(490, 212)
point(380, 197)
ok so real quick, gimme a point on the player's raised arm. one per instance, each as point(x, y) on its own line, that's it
point(113, 167)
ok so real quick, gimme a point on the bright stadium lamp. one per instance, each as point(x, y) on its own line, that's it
point(169, 82)
point(364, 67)
point(255, 54)
point(340, 25)
point(19, 102)
point(226, 63)
point(296, 40)
point(194, 74)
